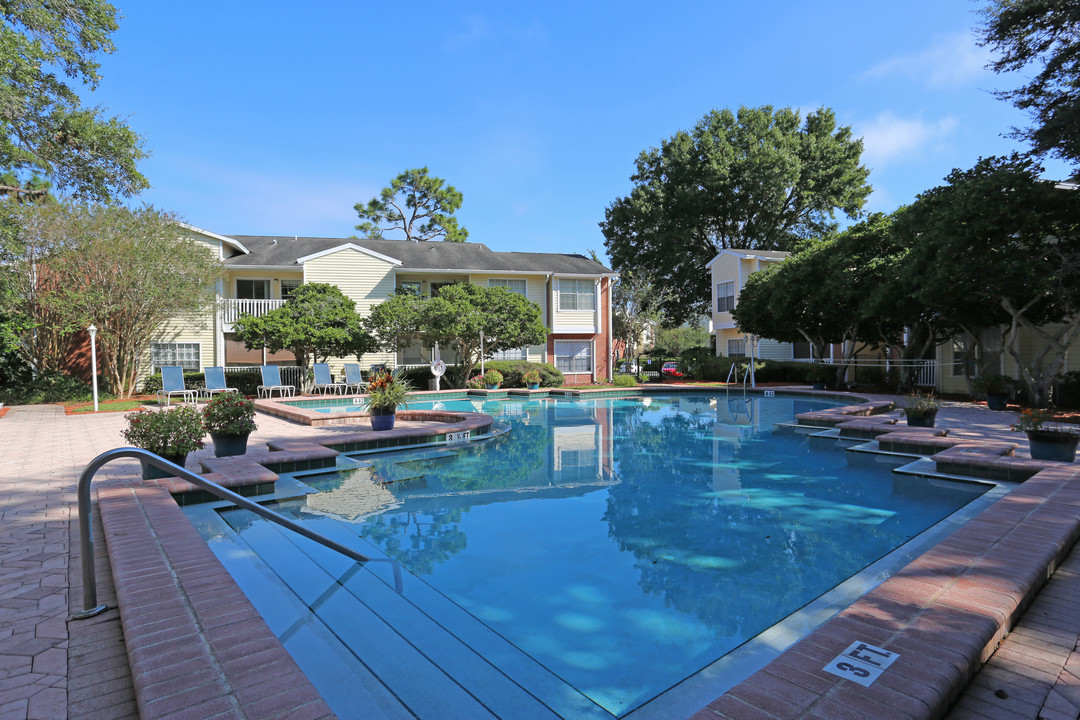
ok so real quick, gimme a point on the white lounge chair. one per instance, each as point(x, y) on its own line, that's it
point(172, 383)
point(324, 382)
point(215, 382)
point(271, 381)
point(354, 378)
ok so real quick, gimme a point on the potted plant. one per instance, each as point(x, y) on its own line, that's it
point(920, 410)
point(386, 393)
point(492, 379)
point(532, 379)
point(171, 433)
point(229, 418)
point(819, 374)
point(995, 388)
point(1047, 442)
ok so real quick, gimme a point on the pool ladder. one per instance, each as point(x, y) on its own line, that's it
point(86, 539)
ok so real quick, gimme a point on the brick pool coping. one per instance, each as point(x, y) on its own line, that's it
point(944, 613)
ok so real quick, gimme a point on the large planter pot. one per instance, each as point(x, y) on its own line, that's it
point(1060, 446)
point(925, 420)
point(382, 419)
point(227, 445)
point(149, 472)
point(819, 386)
point(492, 387)
point(534, 386)
point(997, 402)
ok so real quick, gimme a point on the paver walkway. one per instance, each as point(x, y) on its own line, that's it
point(52, 669)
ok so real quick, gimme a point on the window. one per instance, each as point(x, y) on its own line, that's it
point(521, 353)
point(186, 355)
point(574, 357)
point(288, 287)
point(725, 296)
point(801, 350)
point(577, 295)
point(409, 288)
point(966, 355)
point(514, 286)
point(253, 289)
point(736, 348)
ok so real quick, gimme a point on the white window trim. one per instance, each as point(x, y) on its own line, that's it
point(590, 344)
point(198, 345)
point(577, 284)
point(288, 281)
point(524, 293)
point(720, 294)
point(741, 341)
point(237, 281)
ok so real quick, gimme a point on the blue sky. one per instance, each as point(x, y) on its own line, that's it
point(279, 122)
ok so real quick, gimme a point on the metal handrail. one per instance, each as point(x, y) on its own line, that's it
point(86, 539)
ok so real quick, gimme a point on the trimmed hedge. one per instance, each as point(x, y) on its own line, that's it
point(48, 387)
point(514, 370)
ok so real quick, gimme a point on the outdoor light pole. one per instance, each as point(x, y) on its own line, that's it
point(93, 361)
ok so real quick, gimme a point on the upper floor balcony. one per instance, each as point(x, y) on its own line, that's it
point(232, 308)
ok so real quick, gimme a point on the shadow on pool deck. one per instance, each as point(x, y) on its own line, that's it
point(943, 614)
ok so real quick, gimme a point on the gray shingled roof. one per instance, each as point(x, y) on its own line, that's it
point(268, 250)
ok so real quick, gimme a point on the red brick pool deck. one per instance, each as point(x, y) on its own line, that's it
point(189, 644)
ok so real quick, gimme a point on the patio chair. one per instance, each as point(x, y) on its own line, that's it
point(215, 382)
point(354, 378)
point(271, 381)
point(324, 382)
point(172, 383)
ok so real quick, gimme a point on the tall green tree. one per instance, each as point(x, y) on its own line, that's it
point(418, 204)
point(457, 318)
point(317, 322)
point(47, 61)
point(998, 246)
point(1043, 38)
point(128, 272)
point(755, 178)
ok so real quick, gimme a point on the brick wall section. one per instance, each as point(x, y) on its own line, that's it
point(196, 645)
point(945, 613)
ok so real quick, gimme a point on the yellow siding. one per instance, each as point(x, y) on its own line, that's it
point(366, 279)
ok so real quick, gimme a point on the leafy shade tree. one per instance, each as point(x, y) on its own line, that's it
point(317, 322)
point(820, 295)
point(997, 245)
point(678, 340)
point(1043, 37)
point(420, 205)
point(128, 272)
point(755, 179)
point(45, 126)
point(457, 318)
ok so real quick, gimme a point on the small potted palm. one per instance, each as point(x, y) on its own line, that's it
point(492, 379)
point(170, 433)
point(532, 379)
point(920, 410)
point(995, 388)
point(229, 418)
point(386, 393)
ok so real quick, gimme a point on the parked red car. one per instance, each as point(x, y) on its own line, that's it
point(672, 369)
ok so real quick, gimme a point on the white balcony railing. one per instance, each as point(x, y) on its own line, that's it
point(232, 309)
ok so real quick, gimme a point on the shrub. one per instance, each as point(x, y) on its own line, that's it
point(623, 381)
point(246, 382)
point(532, 377)
point(169, 432)
point(476, 382)
point(514, 373)
point(47, 387)
point(230, 413)
point(1068, 390)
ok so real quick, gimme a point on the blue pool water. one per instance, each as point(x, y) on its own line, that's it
point(600, 552)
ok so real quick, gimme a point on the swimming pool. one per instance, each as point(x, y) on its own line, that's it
point(599, 554)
